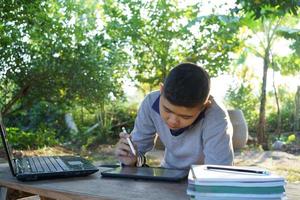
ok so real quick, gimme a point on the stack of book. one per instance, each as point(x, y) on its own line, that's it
point(216, 182)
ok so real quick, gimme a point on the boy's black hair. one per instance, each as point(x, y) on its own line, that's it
point(187, 85)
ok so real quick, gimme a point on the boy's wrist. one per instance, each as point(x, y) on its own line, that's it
point(140, 160)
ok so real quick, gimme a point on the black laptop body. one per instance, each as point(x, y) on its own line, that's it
point(45, 167)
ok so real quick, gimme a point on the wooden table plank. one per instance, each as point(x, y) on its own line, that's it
point(293, 191)
point(96, 188)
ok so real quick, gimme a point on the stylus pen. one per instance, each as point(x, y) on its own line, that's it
point(238, 170)
point(129, 142)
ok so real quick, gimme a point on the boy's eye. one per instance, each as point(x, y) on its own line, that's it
point(186, 118)
point(168, 111)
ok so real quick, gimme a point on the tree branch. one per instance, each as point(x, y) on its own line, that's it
point(275, 28)
point(23, 92)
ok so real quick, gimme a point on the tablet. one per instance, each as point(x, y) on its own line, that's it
point(149, 173)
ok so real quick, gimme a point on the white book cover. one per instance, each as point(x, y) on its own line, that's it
point(201, 174)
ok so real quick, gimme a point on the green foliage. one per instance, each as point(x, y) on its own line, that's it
point(268, 8)
point(272, 15)
point(53, 51)
point(42, 125)
point(160, 35)
point(110, 119)
point(31, 140)
point(293, 35)
point(288, 64)
point(122, 115)
point(286, 100)
point(291, 138)
point(42, 115)
point(58, 56)
point(242, 96)
point(287, 138)
point(218, 38)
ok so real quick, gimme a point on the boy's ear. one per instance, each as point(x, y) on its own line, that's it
point(161, 88)
point(208, 103)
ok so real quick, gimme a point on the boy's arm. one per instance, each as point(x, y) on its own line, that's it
point(217, 141)
point(144, 130)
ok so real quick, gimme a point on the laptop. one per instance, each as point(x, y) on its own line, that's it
point(45, 167)
point(146, 173)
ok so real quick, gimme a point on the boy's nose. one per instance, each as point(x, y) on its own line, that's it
point(173, 120)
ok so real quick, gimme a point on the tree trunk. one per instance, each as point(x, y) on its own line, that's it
point(261, 136)
point(278, 124)
point(81, 116)
point(297, 111)
point(23, 92)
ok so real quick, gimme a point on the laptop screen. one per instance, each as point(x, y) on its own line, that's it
point(7, 148)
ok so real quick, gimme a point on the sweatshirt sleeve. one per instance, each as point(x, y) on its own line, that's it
point(144, 130)
point(217, 140)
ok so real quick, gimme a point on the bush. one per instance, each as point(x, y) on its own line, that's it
point(42, 115)
point(287, 109)
point(241, 97)
point(44, 125)
point(110, 119)
point(30, 140)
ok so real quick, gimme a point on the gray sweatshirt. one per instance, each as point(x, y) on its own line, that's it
point(208, 141)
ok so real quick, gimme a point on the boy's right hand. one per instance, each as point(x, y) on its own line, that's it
point(123, 151)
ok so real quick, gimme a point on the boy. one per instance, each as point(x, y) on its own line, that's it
point(192, 126)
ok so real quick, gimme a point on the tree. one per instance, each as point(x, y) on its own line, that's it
point(287, 107)
point(269, 17)
point(291, 64)
point(268, 8)
point(297, 111)
point(53, 51)
point(241, 95)
point(160, 35)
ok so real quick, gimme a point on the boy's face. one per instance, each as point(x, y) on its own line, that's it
point(177, 117)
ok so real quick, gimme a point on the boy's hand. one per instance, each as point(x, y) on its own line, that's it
point(123, 151)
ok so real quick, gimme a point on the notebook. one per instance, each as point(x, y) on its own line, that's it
point(149, 173)
point(208, 182)
point(219, 174)
point(45, 167)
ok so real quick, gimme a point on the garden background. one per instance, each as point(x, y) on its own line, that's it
point(73, 72)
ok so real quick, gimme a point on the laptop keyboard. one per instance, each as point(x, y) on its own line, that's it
point(43, 164)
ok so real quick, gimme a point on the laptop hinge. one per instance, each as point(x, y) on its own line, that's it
point(17, 166)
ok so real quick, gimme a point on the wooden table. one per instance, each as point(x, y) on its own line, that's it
point(94, 187)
